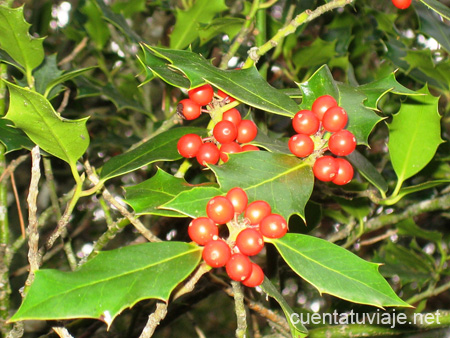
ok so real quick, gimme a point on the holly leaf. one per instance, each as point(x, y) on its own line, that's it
point(33, 113)
point(16, 40)
point(284, 181)
point(227, 25)
point(192, 203)
point(431, 25)
point(162, 147)
point(349, 277)
point(186, 28)
point(109, 283)
point(147, 197)
point(246, 85)
point(13, 138)
point(414, 135)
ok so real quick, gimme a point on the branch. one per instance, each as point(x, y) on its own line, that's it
point(241, 314)
point(34, 256)
point(303, 18)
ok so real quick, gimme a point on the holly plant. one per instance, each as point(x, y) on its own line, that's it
point(215, 168)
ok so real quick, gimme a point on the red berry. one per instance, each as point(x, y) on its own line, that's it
point(342, 143)
point(345, 172)
point(239, 267)
point(322, 104)
point(220, 209)
point(401, 4)
point(325, 168)
point(256, 277)
point(256, 211)
point(202, 95)
point(229, 148)
point(246, 131)
point(305, 122)
point(208, 153)
point(225, 96)
point(301, 145)
point(216, 253)
point(188, 109)
point(250, 242)
point(225, 132)
point(202, 229)
point(189, 144)
point(232, 115)
point(249, 147)
point(334, 119)
point(238, 197)
point(273, 226)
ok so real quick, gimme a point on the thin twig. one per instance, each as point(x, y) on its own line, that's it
point(75, 51)
point(33, 234)
point(376, 239)
point(19, 208)
point(12, 166)
point(62, 332)
point(64, 101)
point(154, 319)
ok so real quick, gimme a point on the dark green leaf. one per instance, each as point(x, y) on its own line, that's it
point(246, 85)
point(284, 181)
point(320, 83)
point(95, 25)
point(17, 42)
point(317, 53)
point(163, 147)
point(146, 197)
point(118, 21)
point(297, 330)
point(438, 7)
point(375, 90)
point(368, 171)
point(110, 282)
point(63, 78)
point(264, 141)
point(336, 271)
point(414, 135)
point(431, 25)
point(33, 113)
point(46, 72)
point(160, 68)
point(193, 202)
point(409, 227)
point(12, 138)
point(357, 207)
point(186, 28)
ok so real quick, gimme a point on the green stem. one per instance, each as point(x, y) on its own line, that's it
point(239, 305)
point(302, 18)
point(429, 293)
point(240, 38)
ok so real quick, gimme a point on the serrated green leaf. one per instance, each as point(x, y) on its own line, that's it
point(148, 196)
point(320, 83)
point(17, 42)
point(110, 282)
point(368, 171)
point(414, 135)
point(51, 85)
point(47, 71)
point(227, 25)
point(13, 138)
point(186, 27)
point(160, 67)
point(246, 85)
point(431, 25)
point(162, 147)
point(87, 88)
point(284, 181)
point(298, 330)
point(192, 203)
point(375, 90)
point(336, 271)
point(33, 113)
point(438, 7)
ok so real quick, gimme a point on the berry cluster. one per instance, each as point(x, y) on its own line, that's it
point(313, 127)
point(227, 133)
point(248, 225)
